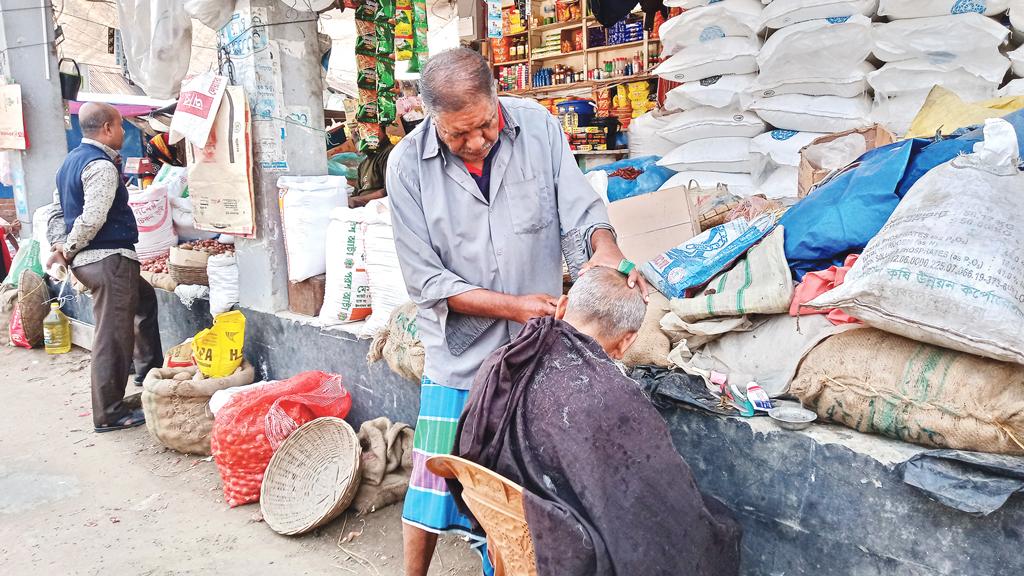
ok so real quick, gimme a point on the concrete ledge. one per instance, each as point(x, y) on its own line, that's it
point(828, 501)
point(282, 345)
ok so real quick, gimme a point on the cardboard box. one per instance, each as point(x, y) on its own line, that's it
point(811, 175)
point(650, 224)
point(193, 258)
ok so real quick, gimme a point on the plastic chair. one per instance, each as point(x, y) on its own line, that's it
point(497, 504)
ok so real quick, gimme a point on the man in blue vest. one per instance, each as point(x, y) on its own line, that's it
point(94, 232)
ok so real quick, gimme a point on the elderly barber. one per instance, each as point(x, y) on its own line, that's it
point(486, 198)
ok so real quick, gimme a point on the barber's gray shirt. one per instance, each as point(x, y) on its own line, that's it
point(451, 240)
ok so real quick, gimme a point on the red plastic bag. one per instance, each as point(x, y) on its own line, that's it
point(253, 424)
point(17, 330)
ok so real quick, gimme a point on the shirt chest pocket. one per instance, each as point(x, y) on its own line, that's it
point(530, 205)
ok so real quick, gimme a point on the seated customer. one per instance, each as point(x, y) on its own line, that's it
point(606, 493)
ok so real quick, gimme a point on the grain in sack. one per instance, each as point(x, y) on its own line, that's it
point(783, 13)
point(306, 205)
point(881, 383)
point(947, 267)
point(721, 19)
point(347, 295)
point(897, 9)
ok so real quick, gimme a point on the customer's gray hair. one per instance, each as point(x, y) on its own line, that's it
point(453, 79)
point(602, 298)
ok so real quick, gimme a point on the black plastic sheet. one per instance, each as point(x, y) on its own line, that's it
point(972, 482)
point(667, 388)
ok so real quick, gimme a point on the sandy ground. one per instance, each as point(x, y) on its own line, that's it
point(75, 502)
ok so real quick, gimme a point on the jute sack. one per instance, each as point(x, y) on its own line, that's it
point(176, 403)
point(880, 383)
point(652, 345)
point(760, 283)
point(386, 464)
point(399, 344)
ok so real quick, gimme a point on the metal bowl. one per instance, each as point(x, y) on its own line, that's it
point(792, 417)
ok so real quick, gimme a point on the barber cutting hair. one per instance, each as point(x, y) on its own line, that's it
point(486, 199)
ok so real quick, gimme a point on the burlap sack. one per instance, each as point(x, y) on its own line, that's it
point(399, 344)
point(652, 345)
point(32, 297)
point(386, 464)
point(885, 384)
point(176, 403)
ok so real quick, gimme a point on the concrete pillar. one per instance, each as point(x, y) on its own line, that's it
point(286, 58)
point(28, 56)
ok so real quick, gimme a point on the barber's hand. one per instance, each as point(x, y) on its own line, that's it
point(56, 257)
point(534, 306)
point(610, 256)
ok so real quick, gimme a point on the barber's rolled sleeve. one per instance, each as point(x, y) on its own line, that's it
point(427, 280)
point(581, 212)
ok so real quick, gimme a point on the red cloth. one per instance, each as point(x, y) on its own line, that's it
point(5, 253)
point(817, 283)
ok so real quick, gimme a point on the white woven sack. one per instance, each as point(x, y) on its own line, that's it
point(809, 48)
point(738, 184)
point(779, 182)
point(716, 91)
point(783, 146)
point(387, 286)
point(897, 9)
point(732, 55)
point(814, 113)
point(847, 83)
point(730, 154)
point(943, 39)
point(782, 13)
point(710, 23)
point(707, 122)
point(1017, 61)
point(306, 206)
point(911, 281)
point(222, 271)
point(643, 135)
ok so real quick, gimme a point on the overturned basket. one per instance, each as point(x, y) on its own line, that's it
point(312, 477)
point(189, 274)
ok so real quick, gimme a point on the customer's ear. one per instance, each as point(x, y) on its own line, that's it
point(561, 307)
point(622, 345)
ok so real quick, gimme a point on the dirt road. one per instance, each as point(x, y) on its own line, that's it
point(75, 502)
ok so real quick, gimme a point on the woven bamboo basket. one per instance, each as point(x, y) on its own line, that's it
point(195, 275)
point(312, 477)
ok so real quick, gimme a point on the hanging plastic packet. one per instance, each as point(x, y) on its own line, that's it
point(386, 109)
point(419, 35)
point(369, 137)
point(368, 10)
point(403, 30)
point(368, 113)
point(385, 10)
point(385, 75)
point(366, 44)
point(366, 78)
point(385, 33)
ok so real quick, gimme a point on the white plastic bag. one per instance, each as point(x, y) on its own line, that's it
point(157, 38)
point(306, 206)
point(945, 269)
point(707, 122)
point(709, 23)
point(738, 184)
point(152, 212)
point(942, 39)
point(730, 154)
point(387, 286)
point(896, 9)
point(731, 55)
point(212, 13)
point(717, 92)
point(809, 48)
point(222, 271)
point(814, 113)
point(643, 135)
point(197, 109)
point(347, 294)
point(782, 13)
point(598, 180)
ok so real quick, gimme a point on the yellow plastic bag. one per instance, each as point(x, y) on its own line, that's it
point(218, 350)
point(945, 111)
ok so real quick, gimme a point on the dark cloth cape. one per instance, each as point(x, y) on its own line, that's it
point(605, 492)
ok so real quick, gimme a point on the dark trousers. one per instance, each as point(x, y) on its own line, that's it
point(127, 329)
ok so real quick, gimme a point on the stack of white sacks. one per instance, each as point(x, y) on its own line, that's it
point(952, 43)
point(712, 48)
point(1015, 87)
point(812, 81)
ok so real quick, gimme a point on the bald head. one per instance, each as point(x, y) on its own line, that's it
point(101, 122)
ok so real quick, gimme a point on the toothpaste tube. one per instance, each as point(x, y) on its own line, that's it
point(758, 398)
